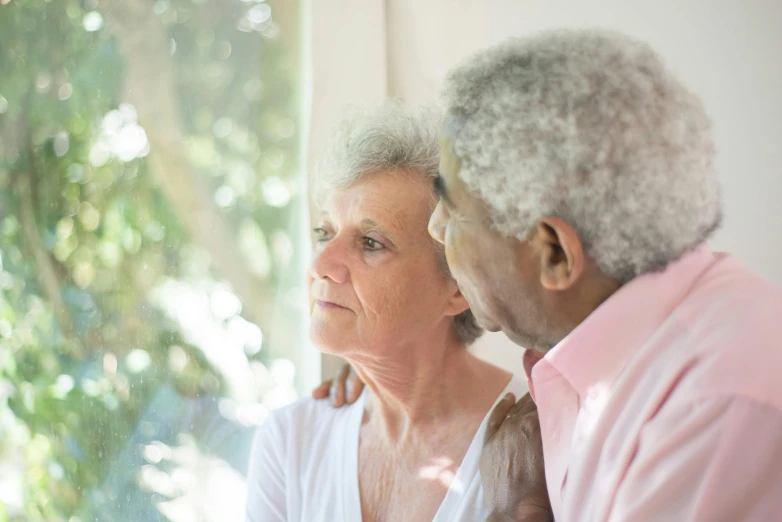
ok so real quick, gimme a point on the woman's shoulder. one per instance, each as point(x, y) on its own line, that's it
point(308, 410)
point(306, 420)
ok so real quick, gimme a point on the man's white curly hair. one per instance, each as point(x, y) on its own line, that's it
point(590, 126)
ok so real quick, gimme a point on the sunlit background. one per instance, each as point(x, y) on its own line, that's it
point(151, 252)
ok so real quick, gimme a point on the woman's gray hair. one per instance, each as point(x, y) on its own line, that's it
point(590, 126)
point(389, 137)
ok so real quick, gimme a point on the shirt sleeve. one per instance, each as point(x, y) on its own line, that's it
point(709, 460)
point(266, 500)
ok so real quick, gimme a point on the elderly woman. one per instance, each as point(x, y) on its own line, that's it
point(381, 297)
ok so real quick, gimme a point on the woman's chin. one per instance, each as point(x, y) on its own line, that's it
point(334, 343)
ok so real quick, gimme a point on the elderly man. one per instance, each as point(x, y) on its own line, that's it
point(577, 195)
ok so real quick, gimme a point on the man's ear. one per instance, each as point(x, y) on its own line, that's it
point(560, 253)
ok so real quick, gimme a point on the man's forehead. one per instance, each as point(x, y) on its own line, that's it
point(448, 160)
point(450, 185)
point(457, 197)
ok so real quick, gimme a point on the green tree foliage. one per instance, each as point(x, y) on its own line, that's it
point(148, 202)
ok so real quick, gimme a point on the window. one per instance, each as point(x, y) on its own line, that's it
point(151, 253)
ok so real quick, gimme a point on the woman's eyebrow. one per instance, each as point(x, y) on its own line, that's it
point(369, 223)
point(389, 232)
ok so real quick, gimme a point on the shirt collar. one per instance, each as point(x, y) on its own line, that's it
point(599, 348)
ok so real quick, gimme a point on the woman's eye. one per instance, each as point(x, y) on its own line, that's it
point(372, 244)
point(321, 234)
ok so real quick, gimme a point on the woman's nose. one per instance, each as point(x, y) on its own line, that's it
point(328, 262)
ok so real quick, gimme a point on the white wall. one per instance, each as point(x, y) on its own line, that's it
point(728, 51)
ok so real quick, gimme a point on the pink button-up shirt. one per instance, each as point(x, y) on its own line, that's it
point(666, 402)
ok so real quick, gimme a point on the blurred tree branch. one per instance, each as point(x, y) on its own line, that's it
point(44, 264)
point(150, 87)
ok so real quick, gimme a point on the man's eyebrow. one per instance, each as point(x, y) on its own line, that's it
point(438, 185)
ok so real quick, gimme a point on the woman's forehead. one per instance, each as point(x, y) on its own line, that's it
point(388, 199)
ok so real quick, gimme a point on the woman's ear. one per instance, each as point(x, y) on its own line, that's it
point(560, 251)
point(456, 303)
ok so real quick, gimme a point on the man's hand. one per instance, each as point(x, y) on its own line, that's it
point(345, 389)
point(514, 479)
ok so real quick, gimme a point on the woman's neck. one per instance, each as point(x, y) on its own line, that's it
point(411, 395)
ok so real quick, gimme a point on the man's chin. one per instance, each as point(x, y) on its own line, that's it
point(527, 342)
point(491, 325)
point(487, 324)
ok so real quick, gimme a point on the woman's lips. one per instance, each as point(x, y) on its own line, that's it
point(328, 305)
